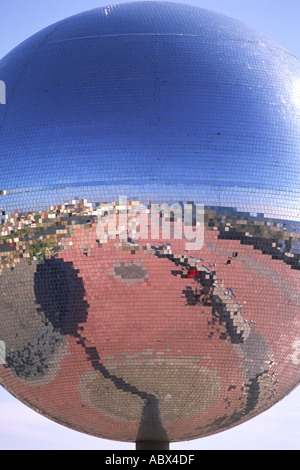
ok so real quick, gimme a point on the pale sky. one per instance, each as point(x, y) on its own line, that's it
point(275, 429)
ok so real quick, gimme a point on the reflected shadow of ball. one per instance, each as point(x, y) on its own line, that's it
point(59, 290)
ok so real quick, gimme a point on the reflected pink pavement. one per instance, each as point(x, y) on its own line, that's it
point(209, 333)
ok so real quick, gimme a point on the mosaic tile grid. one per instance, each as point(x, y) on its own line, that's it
point(139, 338)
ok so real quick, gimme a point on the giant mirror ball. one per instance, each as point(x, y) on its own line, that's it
point(158, 116)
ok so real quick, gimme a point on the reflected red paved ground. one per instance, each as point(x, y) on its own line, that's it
point(211, 340)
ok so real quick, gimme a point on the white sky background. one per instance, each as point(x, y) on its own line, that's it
point(277, 428)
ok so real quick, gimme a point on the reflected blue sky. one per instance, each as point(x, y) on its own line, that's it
point(219, 135)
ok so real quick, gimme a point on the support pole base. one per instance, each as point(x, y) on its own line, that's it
point(152, 445)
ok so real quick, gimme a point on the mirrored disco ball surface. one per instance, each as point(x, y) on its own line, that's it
point(108, 329)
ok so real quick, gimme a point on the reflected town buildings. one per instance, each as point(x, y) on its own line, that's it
point(107, 330)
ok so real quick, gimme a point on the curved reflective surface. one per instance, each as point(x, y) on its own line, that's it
point(112, 323)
